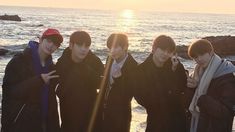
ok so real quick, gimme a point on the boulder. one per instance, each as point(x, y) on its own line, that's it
point(223, 45)
point(10, 17)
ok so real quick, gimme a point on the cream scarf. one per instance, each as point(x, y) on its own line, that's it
point(204, 79)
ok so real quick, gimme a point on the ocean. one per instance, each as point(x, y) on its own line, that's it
point(141, 26)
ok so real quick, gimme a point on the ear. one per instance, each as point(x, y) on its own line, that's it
point(71, 45)
point(153, 51)
point(40, 40)
point(211, 53)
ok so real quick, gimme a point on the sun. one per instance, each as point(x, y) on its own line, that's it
point(127, 14)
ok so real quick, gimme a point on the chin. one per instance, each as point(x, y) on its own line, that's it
point(83, 57)
point(114, 57)
point(164, 60)
point(47, 52)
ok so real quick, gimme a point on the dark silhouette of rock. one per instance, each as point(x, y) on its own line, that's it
point(10, 17)
point(182, 51)
point(223, 45)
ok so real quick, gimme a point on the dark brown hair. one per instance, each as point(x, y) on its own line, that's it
point(120, 39)
point(80, 38)
point(165, 43)
point(200, 47)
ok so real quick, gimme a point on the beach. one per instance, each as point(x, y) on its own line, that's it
point(141, 28)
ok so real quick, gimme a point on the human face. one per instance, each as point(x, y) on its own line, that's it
point(79, 52)
point(161, 56)
point(203, 60)
point(117, 52)
point(47, 46)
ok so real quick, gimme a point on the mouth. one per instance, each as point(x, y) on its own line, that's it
point(164, 57)
point(83, 54)
point(49, 50)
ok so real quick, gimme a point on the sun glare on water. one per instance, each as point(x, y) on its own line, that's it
point(128, 14)
point(126, 20)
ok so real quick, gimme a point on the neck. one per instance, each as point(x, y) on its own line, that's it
point(121, 58)
point(157, 63)
point(76, 60)
point(42, 56)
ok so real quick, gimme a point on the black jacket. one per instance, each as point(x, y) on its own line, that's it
point(117, 104)
point(161, 92)
point(217, 106)
point(21, 102)
point(77, 90)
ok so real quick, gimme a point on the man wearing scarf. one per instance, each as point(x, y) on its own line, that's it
point(211, 90)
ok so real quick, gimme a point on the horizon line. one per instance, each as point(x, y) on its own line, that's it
point(157, 11)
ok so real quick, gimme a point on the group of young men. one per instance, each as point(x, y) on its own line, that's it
point(97, 98)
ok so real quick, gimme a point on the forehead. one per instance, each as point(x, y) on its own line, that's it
point(82, 44)
point(204, 55)
point(116, 46)
point(164, 50)
point(48, 40)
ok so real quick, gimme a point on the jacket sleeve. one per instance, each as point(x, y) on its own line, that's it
point(181, 78)
point(15, 86)
point(140, 91)
point(99, 71)
point(221, 107)
point(181, 81)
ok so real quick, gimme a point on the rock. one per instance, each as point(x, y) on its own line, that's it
point(3, 51)
point(10, 17)
point(182, 51)
point(223, 45)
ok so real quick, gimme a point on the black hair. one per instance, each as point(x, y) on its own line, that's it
point(165, 43)
point(53, 38)
point(80, 38)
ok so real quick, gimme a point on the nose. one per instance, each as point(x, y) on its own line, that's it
point(84, 48)
point(166, 53)
point(112, 50)
point(52, 46)
point(198, 59)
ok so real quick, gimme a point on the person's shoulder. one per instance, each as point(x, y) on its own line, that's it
point(17, 60)
point(229, 77)
point(147, 62)
point(20, 56)
point(66, 53)
point(93, 59)
point(92, 55)
point(131, 59)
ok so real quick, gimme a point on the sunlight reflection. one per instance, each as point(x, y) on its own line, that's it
point(126, 20)
point(127, 14)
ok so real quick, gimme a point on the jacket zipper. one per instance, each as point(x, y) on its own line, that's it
point(20, 111)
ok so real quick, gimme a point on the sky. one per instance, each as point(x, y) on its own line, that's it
point(199, 6)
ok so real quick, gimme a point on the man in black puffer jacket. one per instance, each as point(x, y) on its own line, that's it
point(29, 101)
point(161, 87)
point(79, 70)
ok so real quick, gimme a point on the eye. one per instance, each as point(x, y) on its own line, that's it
point(49, 41)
